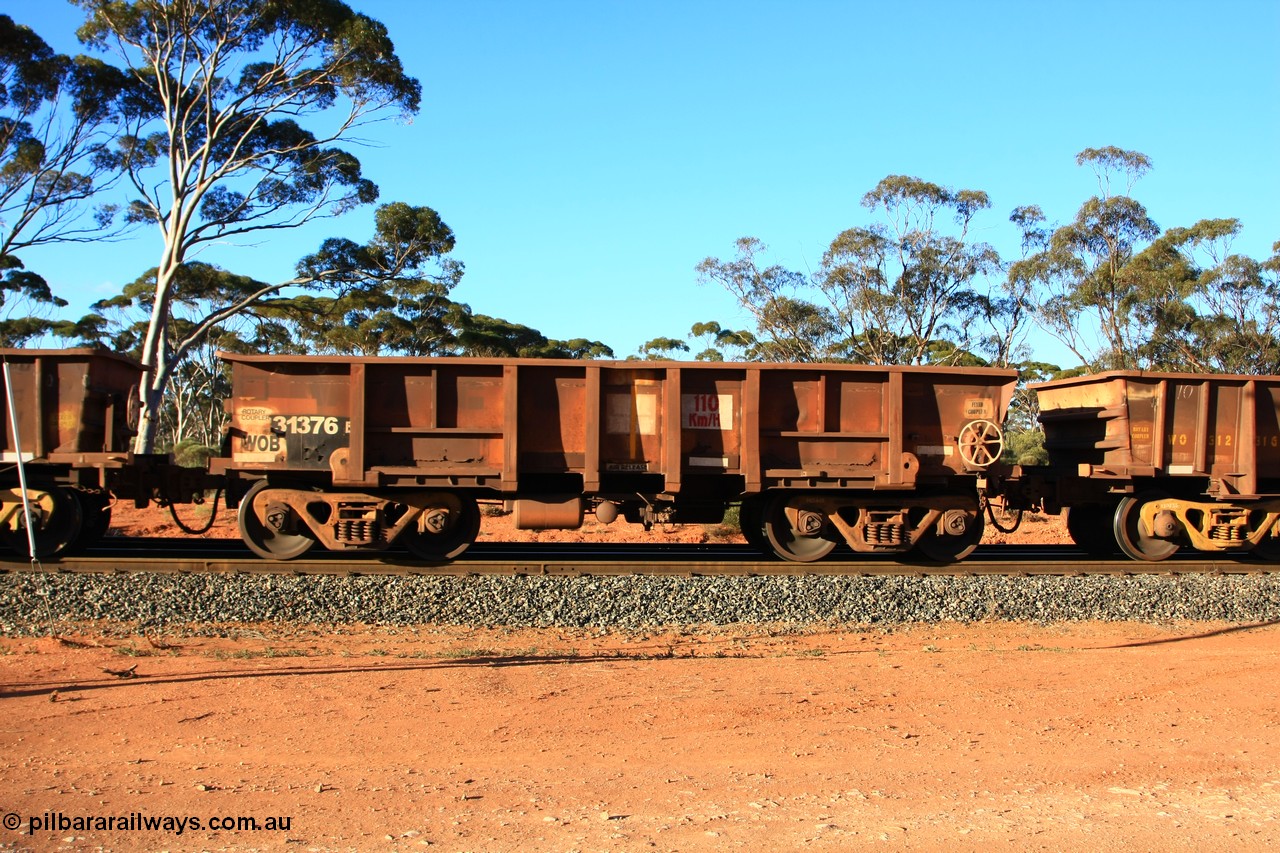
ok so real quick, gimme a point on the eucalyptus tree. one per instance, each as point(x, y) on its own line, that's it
point(1240, 330)
point(789, 327)
point(191, 411)
point(719, 342)
point(1208, 309)
point(217, 150)
point(1007, 312)
point(57, 114)
point(410, 312)
point(662, 348)
point(211, 308)
point(906, 288)
point(1091, 294)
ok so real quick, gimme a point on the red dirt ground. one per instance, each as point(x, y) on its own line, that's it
point(975, 737)
point(1074, 737)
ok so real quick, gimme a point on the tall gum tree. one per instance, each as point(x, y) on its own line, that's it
point(1091, 292)
point(788, 327)
point(57, 114)
point(212, 308)
point(217, 152)
point(1209, 310)
point(903, 290)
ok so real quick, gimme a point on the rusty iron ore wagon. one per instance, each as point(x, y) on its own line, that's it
point(358, 453)
point(1154, 461)
point(361, 453)
point(75, 412)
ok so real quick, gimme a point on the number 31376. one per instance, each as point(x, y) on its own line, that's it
point(308, 424)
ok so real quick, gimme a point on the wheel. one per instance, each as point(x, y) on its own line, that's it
point(796, 531)
point(1089, 526)
point(1268, 549)
point(460, 531)
point(950, 548)
point(271, 541)
point(981, 443)
point(1134, 541)
point(58, 523)
point(751, 520)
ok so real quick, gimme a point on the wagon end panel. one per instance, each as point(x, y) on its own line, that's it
point(952, 422)
point(1086, 422)
point(73, 406)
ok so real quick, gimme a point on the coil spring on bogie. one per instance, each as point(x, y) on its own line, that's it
point(357, 530)
point(1228, 526)
point(1227, 533)
point(885, 534)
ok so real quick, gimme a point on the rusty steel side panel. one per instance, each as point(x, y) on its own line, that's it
point(502, 424)
point(72, 405)
point(366, 421)
point(1132, 424)
point(872, 427)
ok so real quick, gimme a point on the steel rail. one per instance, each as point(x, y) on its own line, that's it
point(576, 559)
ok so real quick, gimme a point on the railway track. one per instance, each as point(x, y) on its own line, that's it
point(229, 556)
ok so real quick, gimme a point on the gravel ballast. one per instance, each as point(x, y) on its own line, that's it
point(31, 603)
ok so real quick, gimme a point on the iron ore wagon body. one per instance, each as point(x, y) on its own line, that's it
point(357, 453)
point(71, 409)
point(76, 414)
point(1152, 461)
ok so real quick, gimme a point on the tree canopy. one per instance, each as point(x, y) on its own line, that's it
point(216, 147)
point(57, 114)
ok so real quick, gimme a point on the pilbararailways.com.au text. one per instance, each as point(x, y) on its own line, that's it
point(140, 822)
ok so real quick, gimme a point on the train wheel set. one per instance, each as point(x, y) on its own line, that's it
point(364, 454)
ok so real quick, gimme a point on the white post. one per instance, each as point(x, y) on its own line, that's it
point(22, 469)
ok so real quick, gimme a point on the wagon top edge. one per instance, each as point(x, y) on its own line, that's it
point(1146, 375)
point(992, 372)
point(75, 353)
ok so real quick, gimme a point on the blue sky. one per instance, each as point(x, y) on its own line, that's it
point(588, 155)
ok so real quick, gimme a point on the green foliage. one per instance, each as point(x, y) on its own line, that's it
point(721, 344)
point(189, 453)
point(480, 335)
point(217, 148)
point(1025, 447)
point(903, 290)
point(56, 115)
point(1123, 294)
point(788, 328)
point(393, 291)
point(1210, 311)
point(660, 348)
